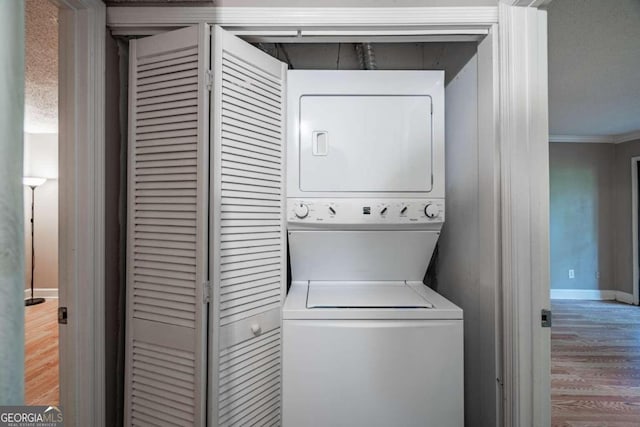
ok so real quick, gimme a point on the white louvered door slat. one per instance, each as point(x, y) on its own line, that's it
point(167, 244)
point(248, 262)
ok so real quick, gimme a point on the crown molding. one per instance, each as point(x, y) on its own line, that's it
point(583, 139)
point(626, 137)
point(597, 139)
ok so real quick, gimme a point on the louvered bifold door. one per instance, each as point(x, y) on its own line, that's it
point(248, 233)
point(167, 240)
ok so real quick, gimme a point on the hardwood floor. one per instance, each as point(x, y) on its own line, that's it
point(595, 364)
point(41, 354)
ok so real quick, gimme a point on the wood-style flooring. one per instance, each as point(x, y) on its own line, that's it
point(595, 364)
point(41, 354)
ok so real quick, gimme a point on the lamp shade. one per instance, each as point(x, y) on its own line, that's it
point(33, 181)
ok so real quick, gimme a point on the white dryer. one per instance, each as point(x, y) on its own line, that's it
point(365, 342)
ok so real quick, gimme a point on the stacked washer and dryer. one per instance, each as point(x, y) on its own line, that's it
point(365, 342)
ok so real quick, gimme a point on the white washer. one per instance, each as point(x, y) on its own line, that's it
point(371, 354)
point(365, 342)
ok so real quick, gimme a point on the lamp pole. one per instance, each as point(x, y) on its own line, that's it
point(33, 183)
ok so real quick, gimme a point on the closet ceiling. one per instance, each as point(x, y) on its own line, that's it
point(41, 67)
point(594, 67)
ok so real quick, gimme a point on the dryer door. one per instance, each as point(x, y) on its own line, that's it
point(365, 143)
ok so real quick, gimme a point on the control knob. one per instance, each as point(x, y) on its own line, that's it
point(431, 211)
point(301, 210)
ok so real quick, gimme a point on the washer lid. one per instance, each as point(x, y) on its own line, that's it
point(330, 294)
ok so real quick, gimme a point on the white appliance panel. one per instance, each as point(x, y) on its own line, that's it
point(365, 143)
point(360, 134)
point(373, 373)
point(374, 213)
point(360, 255)
point(328, 294)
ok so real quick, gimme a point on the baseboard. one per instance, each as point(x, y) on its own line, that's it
point(41, 293)
point(591, 294)
point(624, 297)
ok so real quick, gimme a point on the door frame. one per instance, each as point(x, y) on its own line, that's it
point(521, 124)
point(81, 53)
point(634, 227)
point(524, 136)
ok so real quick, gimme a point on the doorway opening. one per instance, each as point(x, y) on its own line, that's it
point(595, 326)
point(635, 231)
point(466, 64)
point(42, 384)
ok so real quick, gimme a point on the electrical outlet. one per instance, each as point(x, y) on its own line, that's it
point(597, 274)
point(572, 274)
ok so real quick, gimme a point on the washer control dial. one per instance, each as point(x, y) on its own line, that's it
point(301, 210)
point(431, 211)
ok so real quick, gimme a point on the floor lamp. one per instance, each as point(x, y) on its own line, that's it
point(33, 182)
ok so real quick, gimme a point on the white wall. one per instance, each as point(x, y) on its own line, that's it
point(41, 159)
point(11, 251)
point(461, 249)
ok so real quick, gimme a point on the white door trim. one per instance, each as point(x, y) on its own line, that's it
point(81, 209)
point(634, 227)
point(270, 20)
point(489, 175)
point(525, 214)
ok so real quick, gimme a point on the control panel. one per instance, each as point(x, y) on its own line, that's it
point(365, 211)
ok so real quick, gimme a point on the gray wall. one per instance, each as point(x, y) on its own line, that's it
point(591, 215)
point(623, 260)
point(461, 247)
point(458, 248)
point(581, 215)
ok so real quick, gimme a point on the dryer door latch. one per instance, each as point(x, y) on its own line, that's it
point(545, 318)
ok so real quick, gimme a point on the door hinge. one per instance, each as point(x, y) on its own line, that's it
point(209, 80)
point(62, 315)
point(206, 292)
point(545, 318)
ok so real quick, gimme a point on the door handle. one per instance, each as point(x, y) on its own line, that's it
point(320, 145)
point(256, 329)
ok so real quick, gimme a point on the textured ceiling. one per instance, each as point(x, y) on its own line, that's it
point(41, 67)
point(594, 67)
